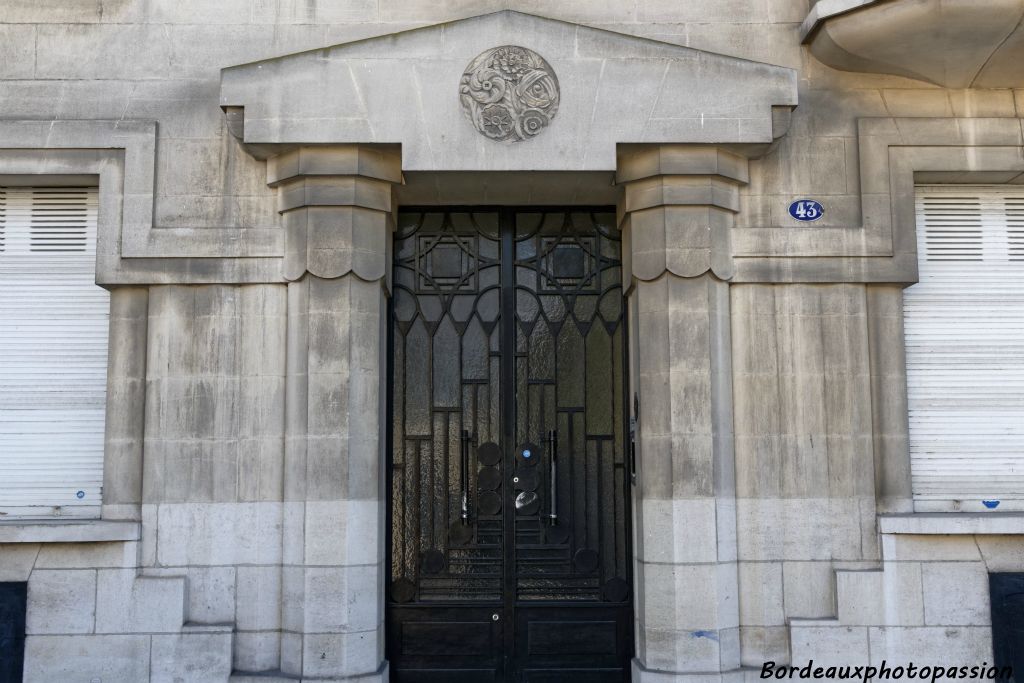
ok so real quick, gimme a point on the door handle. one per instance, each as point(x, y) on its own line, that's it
point(553, 464)
point(464, 478)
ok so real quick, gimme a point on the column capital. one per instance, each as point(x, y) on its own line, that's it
point(336, 203)
point(678, 207)
point(636, 162)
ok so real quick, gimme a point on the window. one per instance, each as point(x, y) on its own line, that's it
point(53, 353)
point(964, 327)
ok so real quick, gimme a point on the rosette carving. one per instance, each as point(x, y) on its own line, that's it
point(509, 93)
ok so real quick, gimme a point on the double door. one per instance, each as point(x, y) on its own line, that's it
point(508, 478)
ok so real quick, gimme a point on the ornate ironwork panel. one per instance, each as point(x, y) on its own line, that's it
point(446, 393)
point(508, 482)
point(569, 407)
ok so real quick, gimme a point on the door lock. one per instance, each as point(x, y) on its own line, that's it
point(495, 617)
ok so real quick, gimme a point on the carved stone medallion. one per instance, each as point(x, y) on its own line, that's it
point(509, 93)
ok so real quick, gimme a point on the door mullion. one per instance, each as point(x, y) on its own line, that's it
point(508, 415)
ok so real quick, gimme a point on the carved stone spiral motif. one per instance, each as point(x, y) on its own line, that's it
point(509, 93)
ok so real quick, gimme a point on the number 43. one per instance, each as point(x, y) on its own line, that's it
point(807, 210)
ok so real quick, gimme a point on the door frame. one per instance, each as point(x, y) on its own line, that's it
point(507, 374)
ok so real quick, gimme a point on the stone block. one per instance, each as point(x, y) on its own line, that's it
point(191, 657)
point(381, 162)
point(258, 606)
point(17, 560)
point(17, 50)
point(938, 646)
point(341, 599)
point(344, 532)
point(88, 555)
point(729, 648)
point(670, 650)
point(293, 592)
point(199, 534)
point(642, 674)
point(809, 589)
point(1000, 553)
point(61, 601)
point(982, 103)
point(937, 548)
point(761, 594)
point(343, 654)
point(956, 594)
point(211, 594)
point(44, 11)
point(291, 653)
point(920, 102)
point(148, 541)
point(701, 597)
point(677, 531)
point(334, 191)
point(189, 166)
point(725, 522)
point(810, 166)
point(126, 603)
point(891, 596)
point(829, 645)
point(834, 113)
point(257, 651)
point(760, 644)
point(798, 529)
point(85, 658)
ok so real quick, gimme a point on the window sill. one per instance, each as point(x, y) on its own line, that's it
point(67, 531)
point(947, 523)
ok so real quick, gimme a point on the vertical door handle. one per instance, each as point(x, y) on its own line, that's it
point(553, 463)
point(464, 455)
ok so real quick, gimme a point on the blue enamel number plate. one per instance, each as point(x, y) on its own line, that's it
point(806, 210)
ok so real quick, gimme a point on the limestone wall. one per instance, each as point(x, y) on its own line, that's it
point(198, 373)
point(132, 59)
point(804, 469)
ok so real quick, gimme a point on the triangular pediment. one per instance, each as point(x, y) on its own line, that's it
point(405, 88)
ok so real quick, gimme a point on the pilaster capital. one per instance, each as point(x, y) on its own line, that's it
point(677, 209)
point(336, 203)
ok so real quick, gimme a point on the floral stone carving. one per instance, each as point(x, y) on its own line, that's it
point(509, 93)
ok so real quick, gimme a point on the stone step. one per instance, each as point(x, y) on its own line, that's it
point(261, 677)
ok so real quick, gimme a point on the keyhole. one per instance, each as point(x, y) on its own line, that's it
point(495, 617)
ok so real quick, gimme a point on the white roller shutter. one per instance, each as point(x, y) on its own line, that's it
point(964, 327)
point(53, 353)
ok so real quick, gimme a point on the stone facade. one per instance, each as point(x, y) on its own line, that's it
point(246, 211)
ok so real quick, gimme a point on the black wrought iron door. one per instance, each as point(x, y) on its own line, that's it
point(508, 480)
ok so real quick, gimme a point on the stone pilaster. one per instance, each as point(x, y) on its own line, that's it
point(678, 207)
point(125, 428)
point(336, 206)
